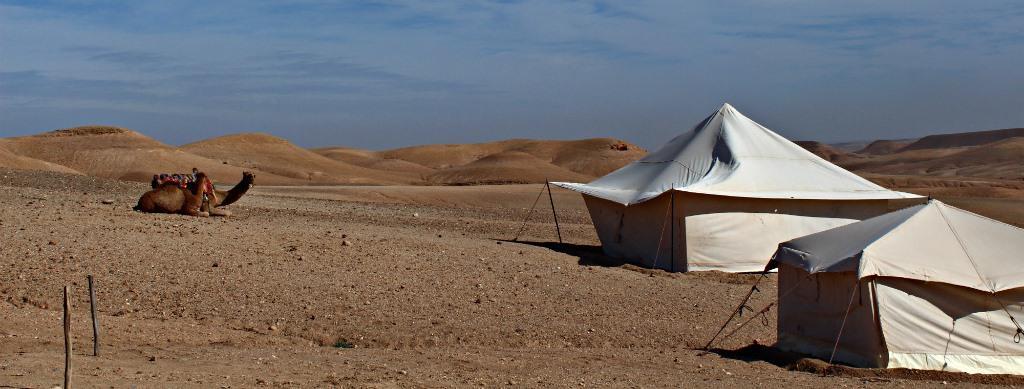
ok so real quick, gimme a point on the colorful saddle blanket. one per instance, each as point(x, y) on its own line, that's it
point(181, 180)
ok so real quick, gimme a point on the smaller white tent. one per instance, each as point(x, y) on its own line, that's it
point(722, 196)
point(927, 287)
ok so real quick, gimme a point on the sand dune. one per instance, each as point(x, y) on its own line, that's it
point(114, 152)
point(373, 160)
point(278, 156)
point(589, 157)
point(509, 167)
point(510, 161)
point(11, 160)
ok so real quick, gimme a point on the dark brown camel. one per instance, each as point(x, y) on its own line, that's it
point(171, 198)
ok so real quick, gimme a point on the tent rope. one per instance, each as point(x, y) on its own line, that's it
point(661, 238)
point(739, 309)
point(554, 213)
point(528, 214)
point(963, 246)
point(760, 313)
point(842, 326)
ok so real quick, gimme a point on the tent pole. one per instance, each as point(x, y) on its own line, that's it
point(672, 230)
point(553, 213)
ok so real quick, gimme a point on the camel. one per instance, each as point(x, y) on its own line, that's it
point(171, 198)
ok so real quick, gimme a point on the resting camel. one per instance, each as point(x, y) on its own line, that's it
point(171, 198)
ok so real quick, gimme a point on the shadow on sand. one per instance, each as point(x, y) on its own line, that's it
point(589, 255)
point(807, 364)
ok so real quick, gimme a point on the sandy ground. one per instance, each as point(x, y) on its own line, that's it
point(429, 293)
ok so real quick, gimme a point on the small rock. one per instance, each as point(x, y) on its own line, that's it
point(343, 236)
point(273, 328)
point(403, 372)
point(346, 243)
point(107, 201)
point(152, 359)
point(52, 243)
point(416, 215)
point(215, 264)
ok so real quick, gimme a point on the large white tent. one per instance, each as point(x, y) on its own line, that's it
point(722, 196)
point(927, 287)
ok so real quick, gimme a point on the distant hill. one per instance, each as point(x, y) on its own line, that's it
point(115, 152)
point(9, 159)
point(849, 147)
point(506, 167)
point(976, 163)
point(588, 157)
point(271, 154)
point(963, 139)
point(508, 161)
point(884, 146)
point(826, 152)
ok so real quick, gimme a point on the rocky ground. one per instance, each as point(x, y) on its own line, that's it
point(390, 290)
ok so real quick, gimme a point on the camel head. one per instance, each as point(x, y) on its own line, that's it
point(248, 178)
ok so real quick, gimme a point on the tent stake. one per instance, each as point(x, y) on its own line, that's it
point(555, 214)
point(67, 337)
point(95, 320)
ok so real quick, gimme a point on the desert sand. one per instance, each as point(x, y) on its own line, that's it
point(408, 278)
point(428, 292)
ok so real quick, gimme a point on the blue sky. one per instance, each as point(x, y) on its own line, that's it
point(383, 74)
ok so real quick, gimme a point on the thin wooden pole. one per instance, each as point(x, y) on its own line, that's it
point(67, 338)
point(95, 320)
point(552, 199)
point(672, 231)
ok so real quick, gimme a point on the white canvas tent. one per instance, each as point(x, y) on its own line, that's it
point(927, 287)
point(722, 196)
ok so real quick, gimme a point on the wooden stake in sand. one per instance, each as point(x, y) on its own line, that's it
point(552, 199)
point(95, 321)
point(67, 338)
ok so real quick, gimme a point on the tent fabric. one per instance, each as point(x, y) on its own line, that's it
point(723, 233)
point(899, 323)
point(937, 326)
point(729, 154)
point(811, 312)
point(930, 242)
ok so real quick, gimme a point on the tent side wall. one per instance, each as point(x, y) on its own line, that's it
point(731, 234)
point(737, 234)
point(938, 326)
point(811, 312)
point(639, 233)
